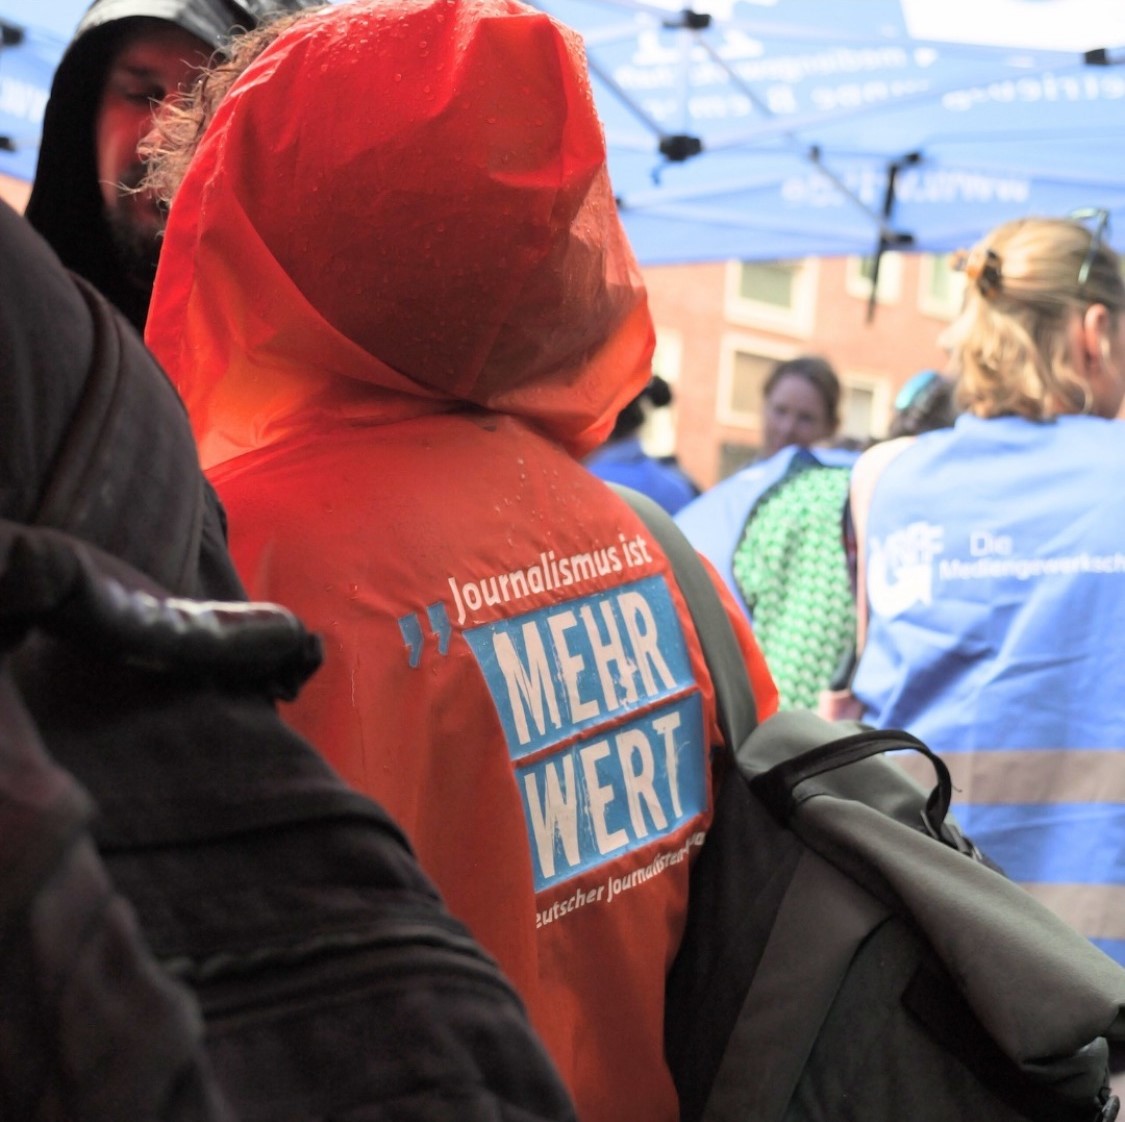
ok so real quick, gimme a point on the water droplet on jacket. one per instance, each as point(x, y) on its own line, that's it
point(398, 77)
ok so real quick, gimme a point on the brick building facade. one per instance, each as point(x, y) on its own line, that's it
point(720, 327)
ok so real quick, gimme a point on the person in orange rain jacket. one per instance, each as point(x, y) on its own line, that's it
point(399, 304)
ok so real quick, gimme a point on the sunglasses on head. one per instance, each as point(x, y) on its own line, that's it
point(1099, 216)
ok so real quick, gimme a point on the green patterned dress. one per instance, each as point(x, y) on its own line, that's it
point(791, 567)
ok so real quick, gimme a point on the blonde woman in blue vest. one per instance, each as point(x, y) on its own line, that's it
point(993, 570)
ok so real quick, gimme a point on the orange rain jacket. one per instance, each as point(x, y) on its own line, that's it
point(398, 302)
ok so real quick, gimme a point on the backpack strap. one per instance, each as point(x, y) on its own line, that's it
point(734, 699)
point(126, 475)
point(759, 1062)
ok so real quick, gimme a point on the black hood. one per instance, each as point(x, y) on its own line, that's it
point(66, 204)
point(94, 440)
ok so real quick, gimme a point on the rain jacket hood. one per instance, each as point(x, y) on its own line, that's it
point(434, 230)
point(65, 204)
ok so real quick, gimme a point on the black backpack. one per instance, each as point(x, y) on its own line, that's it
point(849, 956)
point(197, 919)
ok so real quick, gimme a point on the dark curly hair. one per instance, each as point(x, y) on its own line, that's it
point(180, 124)
point(656, 394)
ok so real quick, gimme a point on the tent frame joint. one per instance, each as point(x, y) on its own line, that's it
point(1101, 57)
point(678, 147)
point(688, 20)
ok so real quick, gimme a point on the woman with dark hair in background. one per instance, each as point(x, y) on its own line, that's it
point(774, 531)
point(802, 404)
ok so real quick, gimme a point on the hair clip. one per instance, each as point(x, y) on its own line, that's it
point(982, 266)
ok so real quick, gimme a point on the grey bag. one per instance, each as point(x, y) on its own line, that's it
point(849, 955)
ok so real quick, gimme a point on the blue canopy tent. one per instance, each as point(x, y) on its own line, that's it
point(28, 58)
point(788, 128)
point(767, 129)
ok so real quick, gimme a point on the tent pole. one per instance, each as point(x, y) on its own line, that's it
point(888, 239)
point(812, 155)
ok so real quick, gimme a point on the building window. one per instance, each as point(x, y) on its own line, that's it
point(778, 295)
point(768, 282)
point(857, 278)
point(864, 407)
point(658, 435)
point(745, 364)
point(857, 412)
point(748, 383)
point(941, 288)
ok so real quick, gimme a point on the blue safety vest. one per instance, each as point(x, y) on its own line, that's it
point(715, 522)
point(996, 587)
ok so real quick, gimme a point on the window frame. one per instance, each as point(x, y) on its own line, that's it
point(930, 305)
point(881, 401)
point(799, 319)
point(891, 271)
point(658, 434)
point(732, 343)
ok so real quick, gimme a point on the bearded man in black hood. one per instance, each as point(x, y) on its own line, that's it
point(126, 58)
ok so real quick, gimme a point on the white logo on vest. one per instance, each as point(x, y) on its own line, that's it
point(900, 569)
